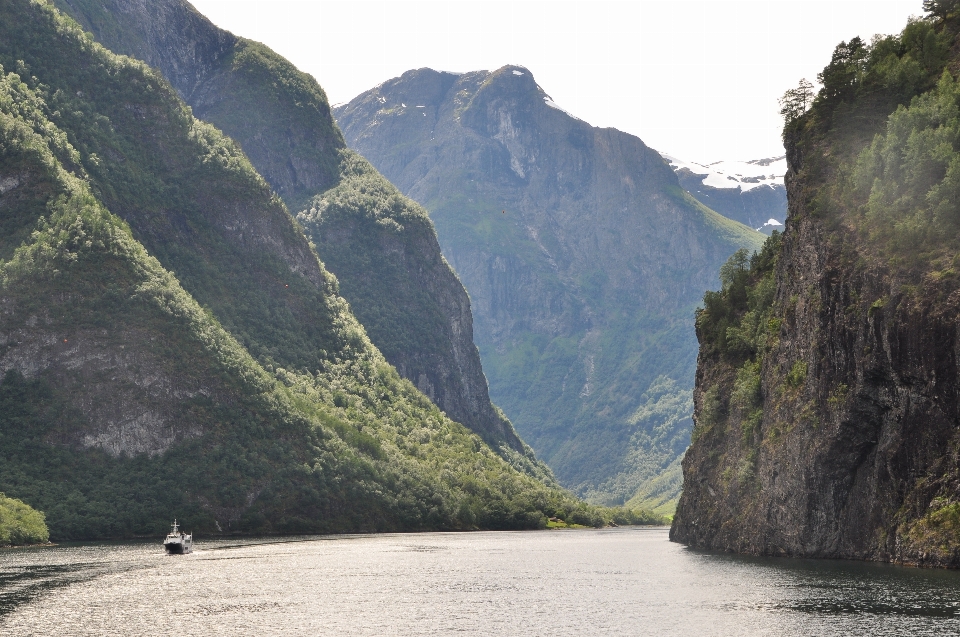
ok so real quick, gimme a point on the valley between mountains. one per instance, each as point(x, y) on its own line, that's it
point(449, 304)
point(212, 303)
point(584, 259)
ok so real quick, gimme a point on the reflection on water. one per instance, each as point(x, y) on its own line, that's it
point(606, 582)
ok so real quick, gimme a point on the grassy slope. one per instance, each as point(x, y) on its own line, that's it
point(178, 182)
point(348, 447)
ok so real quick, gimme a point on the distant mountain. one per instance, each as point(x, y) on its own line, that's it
point(170, 343)
point(383, 249)
point(583, 256)
point(751, 192)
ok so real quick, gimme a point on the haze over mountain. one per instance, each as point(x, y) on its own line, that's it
point(583, 257)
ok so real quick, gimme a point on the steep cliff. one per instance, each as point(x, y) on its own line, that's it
point(142, 262)
point(827, 414)
point(384, 249)
point(582, 255)
point(411, 303)
point(280, 116)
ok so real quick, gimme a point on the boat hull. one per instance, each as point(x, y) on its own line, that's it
point(178, 547)
point(178, 542)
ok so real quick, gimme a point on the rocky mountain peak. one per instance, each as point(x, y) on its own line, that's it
point(583, 257)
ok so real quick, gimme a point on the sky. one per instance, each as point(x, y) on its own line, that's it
point(698, 80)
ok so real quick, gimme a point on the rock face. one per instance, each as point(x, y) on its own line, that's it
point(280, 116)
point(847, 447)
point(384, 250)
point(583, 257)
point(282, 120)
point(844, 463)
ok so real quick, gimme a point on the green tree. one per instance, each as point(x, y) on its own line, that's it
point(734, 268)
point(841, 76)
point(21, 524)
point(940, 8)
point(796, 101)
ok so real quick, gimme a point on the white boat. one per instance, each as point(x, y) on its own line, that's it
point(177, 542)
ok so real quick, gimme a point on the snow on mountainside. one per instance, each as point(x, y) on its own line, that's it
point(730, 174)
point(751, 192)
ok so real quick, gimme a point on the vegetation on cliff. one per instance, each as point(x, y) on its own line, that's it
point(826, 398)
point(171, 344)
point(736, 324)
point(280, 115)
point(384, 250)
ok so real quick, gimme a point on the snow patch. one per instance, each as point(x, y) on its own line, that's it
point(745, 175)
point(549, 102)
point(517, 73)
point(772, 223)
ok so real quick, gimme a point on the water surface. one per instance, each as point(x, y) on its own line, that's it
point(628, 581)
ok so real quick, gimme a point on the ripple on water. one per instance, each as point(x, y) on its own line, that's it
point(613, 581)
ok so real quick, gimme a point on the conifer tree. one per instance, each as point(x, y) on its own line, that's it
point(796, 101)
point(940, 8)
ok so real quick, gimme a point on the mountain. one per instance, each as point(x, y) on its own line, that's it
point(170, 343)
point(751, 192)
point(827, 385)
point(383, 251)
point(583, 257)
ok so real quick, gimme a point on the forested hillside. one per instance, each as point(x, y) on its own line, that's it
point(170, 342)
point(583, 257)
point(826, 398)
point(399, 286)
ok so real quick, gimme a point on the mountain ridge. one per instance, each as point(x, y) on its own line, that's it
point(281, 118)
point(542, 216)
point(129, 389)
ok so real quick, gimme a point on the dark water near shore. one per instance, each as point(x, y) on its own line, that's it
point(588, 582)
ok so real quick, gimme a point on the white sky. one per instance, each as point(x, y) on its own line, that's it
point(697, 79)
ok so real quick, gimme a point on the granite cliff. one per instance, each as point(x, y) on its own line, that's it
point(827, 385)
point(583, 257)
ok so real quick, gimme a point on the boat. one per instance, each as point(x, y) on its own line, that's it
point(177, 542)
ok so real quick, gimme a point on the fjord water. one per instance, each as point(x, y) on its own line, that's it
point(627, 581)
